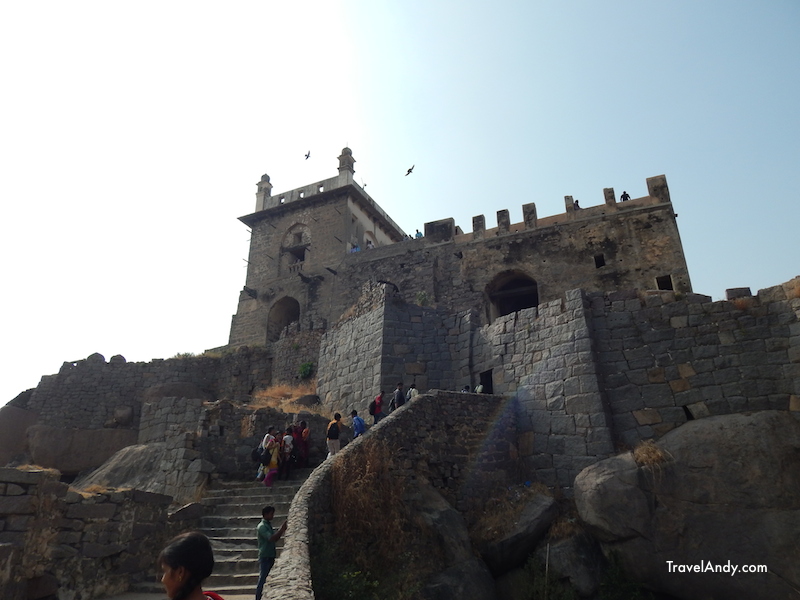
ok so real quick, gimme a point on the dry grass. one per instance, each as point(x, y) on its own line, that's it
point(744, 303)
point(33, 468)
point(282, 397)
point(367, 503)
point(568, 524)
point(375, 525)
point(500, 513)
point(647, 454)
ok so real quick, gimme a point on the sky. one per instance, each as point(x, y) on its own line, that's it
point(132, 136)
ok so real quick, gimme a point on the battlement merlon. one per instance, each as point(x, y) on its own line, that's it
point(445, 229)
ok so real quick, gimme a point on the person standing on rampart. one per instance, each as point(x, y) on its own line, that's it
point(359, 427)
point(332, 435)
point(398, 398)
point(377, 413)
point(412, 393)
point(625, 196)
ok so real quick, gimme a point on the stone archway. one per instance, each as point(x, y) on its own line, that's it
point(283, 312)
point(509, 292)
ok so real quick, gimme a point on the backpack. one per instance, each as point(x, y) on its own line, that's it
point(256, 453)
point(333, 431)
point(372, 407)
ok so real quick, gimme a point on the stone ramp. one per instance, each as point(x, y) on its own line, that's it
point(233, 510)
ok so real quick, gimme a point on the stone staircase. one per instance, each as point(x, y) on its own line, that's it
point(230, 523)
point(233, 510)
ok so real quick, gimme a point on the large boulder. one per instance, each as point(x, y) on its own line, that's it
point(512, 549)
point(464, 577)
point(137, 467)
point(726, 496)
point(72, 451)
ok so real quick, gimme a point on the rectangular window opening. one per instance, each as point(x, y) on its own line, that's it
point(664, 282)
point(302, 194)
point(282, 199)
point(599, 261)
point(321, 189)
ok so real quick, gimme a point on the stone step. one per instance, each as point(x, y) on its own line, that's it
point(219, 581)
point(239, 511)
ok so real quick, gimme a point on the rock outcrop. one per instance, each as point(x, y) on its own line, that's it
point(72, 451)
point(727, 496)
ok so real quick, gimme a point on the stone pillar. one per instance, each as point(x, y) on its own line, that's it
point(529, 215)
point(569, 204)
point(657, 188)
point(503, 221)
point(478, 227)
point(608, 194)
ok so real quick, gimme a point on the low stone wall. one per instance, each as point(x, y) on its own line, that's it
point(462, 444)
point(80, 546)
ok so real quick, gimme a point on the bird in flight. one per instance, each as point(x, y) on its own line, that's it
point(409, 171)
point(308, 154)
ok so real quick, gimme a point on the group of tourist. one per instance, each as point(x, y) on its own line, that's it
point(282, 451)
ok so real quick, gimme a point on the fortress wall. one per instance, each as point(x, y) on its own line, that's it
point(423, 434)
point(544, 357)
point(60, 542)
point(664, 360)
point(423, 346)
point(637, 246)
point(349, 363)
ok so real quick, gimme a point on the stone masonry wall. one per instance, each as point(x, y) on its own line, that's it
point(544, 357)
point(350, 356)
point(664, 360)
point(93, 393)
point(292, 350)
point(80, 546)
point(462, 444)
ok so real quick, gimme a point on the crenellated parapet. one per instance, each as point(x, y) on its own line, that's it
point(445, 230)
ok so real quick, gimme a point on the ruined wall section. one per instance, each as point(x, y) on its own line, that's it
point(56, 541)
point(95, 394)
point(294, 349)
point(665, 359)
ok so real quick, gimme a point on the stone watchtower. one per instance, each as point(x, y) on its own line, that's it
point(299, 239)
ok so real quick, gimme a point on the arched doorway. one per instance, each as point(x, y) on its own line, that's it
point(509, 292)
point(283, 312)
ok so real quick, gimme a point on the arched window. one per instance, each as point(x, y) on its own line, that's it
point(509, 292)
point(294, 247)
point(284, 312)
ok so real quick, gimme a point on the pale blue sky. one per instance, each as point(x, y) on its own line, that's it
point(132, 136)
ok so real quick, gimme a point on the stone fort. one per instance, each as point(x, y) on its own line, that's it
point(582, 328)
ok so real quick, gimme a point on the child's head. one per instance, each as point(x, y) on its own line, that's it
point(186, 561)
